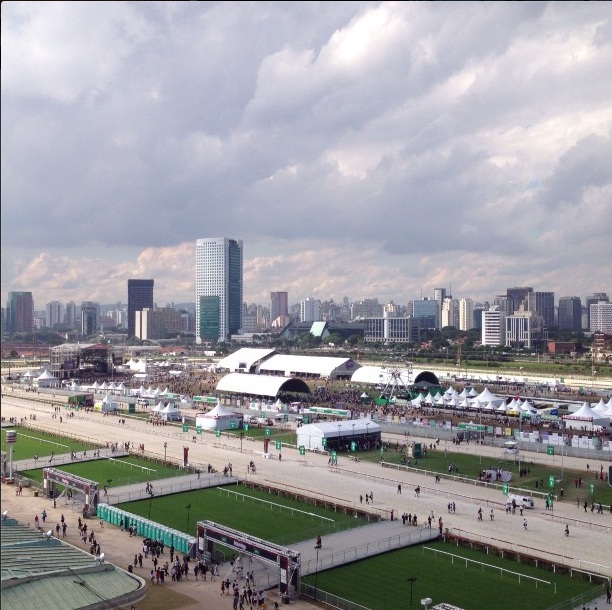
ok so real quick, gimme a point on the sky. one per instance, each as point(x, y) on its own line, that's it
point(359, 149)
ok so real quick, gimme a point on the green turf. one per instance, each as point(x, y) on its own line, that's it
point(268, 516)
point(30, 442)
point(380, 582)
point(471, 465)
point(122, 471)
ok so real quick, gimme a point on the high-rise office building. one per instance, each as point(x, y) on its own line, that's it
point(54, 314)
point(600, 316)
point(140, 296)
point(570, 313)
point(493, 326)
point(20, 312)
point(544, 306)
point(466, 314)
point(426, 312)
point(517, 299)
point(279, 305)
point(219, 288)
point(310, 310)
point(70, 315)
point(596, 297)
point(90, 315)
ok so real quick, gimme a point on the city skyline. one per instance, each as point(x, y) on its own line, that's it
point(361, 149)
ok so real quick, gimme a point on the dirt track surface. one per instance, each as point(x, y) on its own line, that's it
point(587, 547)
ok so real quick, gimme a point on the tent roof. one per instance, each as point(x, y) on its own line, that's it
point(245, 358)
point(325, 366)
point(339, 428)
point(380, 374)
point(260, 385)
point(219, 411)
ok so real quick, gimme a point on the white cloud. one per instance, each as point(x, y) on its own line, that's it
point(373, 149)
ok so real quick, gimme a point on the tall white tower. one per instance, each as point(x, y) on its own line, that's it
point(219, 288)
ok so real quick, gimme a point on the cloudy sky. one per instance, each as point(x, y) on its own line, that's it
point(367, 149)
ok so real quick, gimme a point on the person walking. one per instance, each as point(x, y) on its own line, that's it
point(567, 530)
point(524, 524)
point(492, 516)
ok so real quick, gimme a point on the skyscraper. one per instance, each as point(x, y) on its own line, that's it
point(279, 305)
point(140, 295)
point(219, 288)
point(570, 313)
point(466, 314)
point(20, 312)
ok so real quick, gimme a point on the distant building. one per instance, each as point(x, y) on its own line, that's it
point(600, 315)
point(54, 314)
point(390, 329)
point(310, 310)
point(20, 312)
point(517, 299)
point(279, 305)
point(157, 323)
point(597, 297)
point(140, 296)
point(544, 307)
point(569, 316)
point(219, 288)
point(90, 314)
point(426, 313)
point(466, 314)
point(524, 329)
point(493, 326)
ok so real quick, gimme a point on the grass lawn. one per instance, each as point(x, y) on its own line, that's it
point(471, 465)
point(380, 582)
point(265, 515)
point(30, 442)
point(122, 471)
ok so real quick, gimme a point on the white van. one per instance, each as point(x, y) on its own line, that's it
point(524, 501)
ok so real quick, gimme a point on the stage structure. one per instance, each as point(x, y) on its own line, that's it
point(287, 561)
point(88, 489)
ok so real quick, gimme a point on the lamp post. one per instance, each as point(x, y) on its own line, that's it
point(151, 494)
point(411, 580)
point(188, 507)
point(165, 450)
point(339, 437)
point(316, 572)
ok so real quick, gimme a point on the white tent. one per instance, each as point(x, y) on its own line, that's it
point(219, 418)
point(487, 396)
point(170, 412)
point(45, 380)
point(585, 418)
point(336, 434)
point(600, 407)
point(417, 401)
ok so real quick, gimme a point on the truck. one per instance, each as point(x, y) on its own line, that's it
point(520, 501)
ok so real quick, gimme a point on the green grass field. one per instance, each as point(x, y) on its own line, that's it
point(268, 516)
point(30, 442)
point(380, 582)
point(123, 471)
point(471, 466)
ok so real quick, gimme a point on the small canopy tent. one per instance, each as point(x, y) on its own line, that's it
point(219, 418)
point(46, 380)
point(170, 412)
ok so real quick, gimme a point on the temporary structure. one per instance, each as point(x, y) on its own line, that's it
point(219, 418)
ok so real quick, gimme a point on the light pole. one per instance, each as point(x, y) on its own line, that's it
point(188, 507)
point(411, 580)
point(316, 571)
point(165, 450)
point(151, 494)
